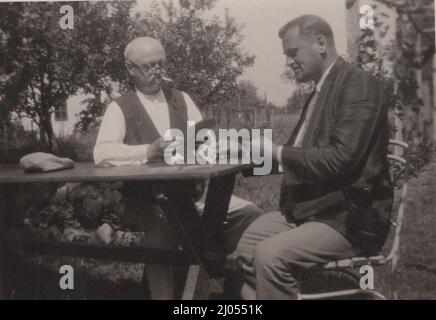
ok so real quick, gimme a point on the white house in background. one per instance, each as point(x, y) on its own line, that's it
point(63, 119)
point(66, 116)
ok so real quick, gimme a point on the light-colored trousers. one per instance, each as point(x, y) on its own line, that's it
point(148, 217)
point(273, 251)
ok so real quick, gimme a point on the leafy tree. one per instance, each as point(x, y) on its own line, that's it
point(299, 96)
point(414, 17)
point(45, 65)
point(247, 94)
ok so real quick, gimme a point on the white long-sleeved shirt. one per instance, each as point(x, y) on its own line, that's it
point(110, 149)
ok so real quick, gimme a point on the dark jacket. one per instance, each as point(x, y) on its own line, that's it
point(340, 175)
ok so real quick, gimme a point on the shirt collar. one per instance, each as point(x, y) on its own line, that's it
point(324, 76)
point(151, 97)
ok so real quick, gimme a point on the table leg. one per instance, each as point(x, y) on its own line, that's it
point(6, 213)
point(185, 222)
point(203, 237)
point(5, 262)
point(1, 256)
point(215, 212)
point(197, 284)
point(2, 241)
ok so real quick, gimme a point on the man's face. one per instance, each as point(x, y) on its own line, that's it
point(302, 56)
point(146, 68)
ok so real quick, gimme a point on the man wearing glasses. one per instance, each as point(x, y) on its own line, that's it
point(131, 133)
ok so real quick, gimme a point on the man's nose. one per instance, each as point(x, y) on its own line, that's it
point(157, 70)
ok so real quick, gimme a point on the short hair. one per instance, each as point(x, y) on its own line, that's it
point(309, 27)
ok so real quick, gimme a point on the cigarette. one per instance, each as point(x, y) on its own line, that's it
point(167, 79)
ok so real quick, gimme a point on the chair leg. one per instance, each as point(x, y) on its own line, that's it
point(36, 293)
point(7, 270)
point(2, 259)
point(145, 285)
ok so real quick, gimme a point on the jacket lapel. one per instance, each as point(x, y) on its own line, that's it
point(300, 122)
point(321, 106)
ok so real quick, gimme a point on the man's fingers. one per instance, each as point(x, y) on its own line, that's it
point(164, 144)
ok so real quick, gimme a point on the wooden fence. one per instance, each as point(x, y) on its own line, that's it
point(253, 117)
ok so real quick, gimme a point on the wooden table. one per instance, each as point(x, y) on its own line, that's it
point(202, 240)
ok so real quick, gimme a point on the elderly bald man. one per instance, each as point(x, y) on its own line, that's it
point(131, 134)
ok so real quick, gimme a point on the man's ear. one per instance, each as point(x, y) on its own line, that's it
point(322, 44)
point(129, 69)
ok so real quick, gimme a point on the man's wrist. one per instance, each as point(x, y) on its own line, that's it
point(147, 155)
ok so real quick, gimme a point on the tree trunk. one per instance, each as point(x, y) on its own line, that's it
point(418, 73)
point(427, 114)
point(272, 117)
point(47, 129)
point(5, 144)
point(434, 99)
point(42, 135)
point(352, 21)
point(256, 117)
point(227, 111)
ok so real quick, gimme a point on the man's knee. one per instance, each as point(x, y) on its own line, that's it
point(268, 256)
point(249, 212)
point(237, 223)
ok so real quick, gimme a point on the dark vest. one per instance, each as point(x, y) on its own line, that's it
point(140, 129)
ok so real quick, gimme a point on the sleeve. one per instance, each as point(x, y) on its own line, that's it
point(357, 115)
point(193, 113)
point(110, 149)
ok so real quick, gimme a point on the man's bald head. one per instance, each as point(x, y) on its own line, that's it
point(144, 50)
point(145, 59)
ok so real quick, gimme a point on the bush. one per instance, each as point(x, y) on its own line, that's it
point(19, 143)
point(77, 147)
